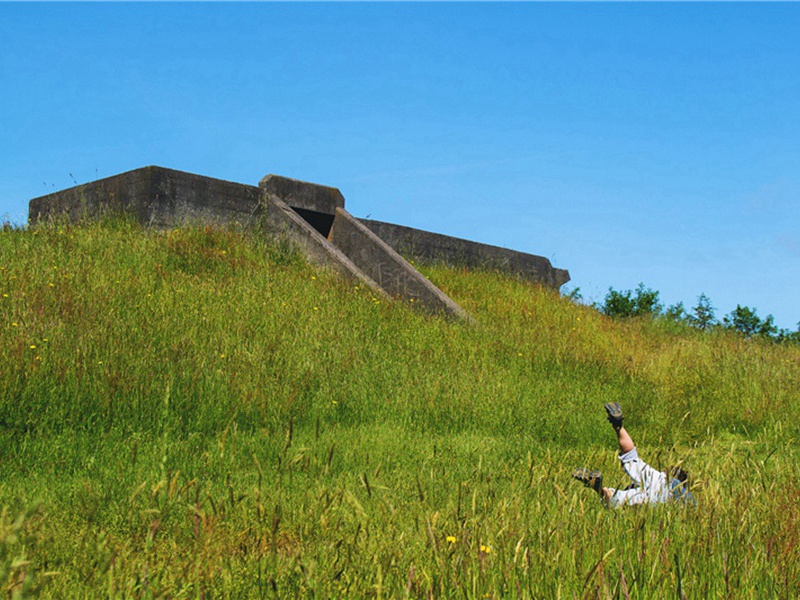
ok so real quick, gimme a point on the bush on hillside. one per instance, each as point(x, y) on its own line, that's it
point(676, 312)
point(644, 301)
point(703, 314)
point(745, 320)
point(641, 302)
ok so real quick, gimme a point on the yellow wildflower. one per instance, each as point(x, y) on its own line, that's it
point(451, 539)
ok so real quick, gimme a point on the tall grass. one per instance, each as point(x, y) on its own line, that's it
point(200, 413)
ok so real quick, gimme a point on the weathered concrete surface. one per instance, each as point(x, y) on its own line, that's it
point(127, 192)
point(155, 196)
point(427, 247)
point(281, 221)
point(303, 195)
point(390, 270)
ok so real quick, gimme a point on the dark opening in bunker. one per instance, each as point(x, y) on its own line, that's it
point(322, 222)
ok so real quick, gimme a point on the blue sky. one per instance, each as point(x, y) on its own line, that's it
point(655, 143)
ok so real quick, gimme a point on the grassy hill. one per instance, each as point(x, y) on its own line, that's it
point(199, 413)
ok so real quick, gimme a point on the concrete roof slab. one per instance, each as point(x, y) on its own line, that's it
point(302, 194)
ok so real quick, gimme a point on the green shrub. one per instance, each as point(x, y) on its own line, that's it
point(641, 302)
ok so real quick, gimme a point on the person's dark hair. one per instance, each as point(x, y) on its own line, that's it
point(677, 473)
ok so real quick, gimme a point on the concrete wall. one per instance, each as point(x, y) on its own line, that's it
point(128, 192)
point(390, 270)
point(427, 247)
point(155, 196)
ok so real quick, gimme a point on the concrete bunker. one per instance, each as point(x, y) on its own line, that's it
point(312, 216)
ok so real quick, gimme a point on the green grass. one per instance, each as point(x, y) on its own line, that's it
point(199, 413)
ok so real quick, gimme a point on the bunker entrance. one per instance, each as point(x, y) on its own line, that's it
point(322, 222)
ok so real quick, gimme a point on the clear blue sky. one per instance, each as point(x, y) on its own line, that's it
point(655, 143)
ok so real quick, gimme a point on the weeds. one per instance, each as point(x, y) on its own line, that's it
point(200, 413)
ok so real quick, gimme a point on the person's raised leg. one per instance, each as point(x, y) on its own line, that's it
point(614, 411)
point(624, 440)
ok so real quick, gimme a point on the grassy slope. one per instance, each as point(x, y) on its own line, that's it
point(198, 412)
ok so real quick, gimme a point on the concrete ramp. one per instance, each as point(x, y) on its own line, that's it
point(385, 266)
point(281, 220)
point(314, 218)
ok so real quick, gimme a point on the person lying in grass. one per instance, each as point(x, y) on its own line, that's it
point(649, 485)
